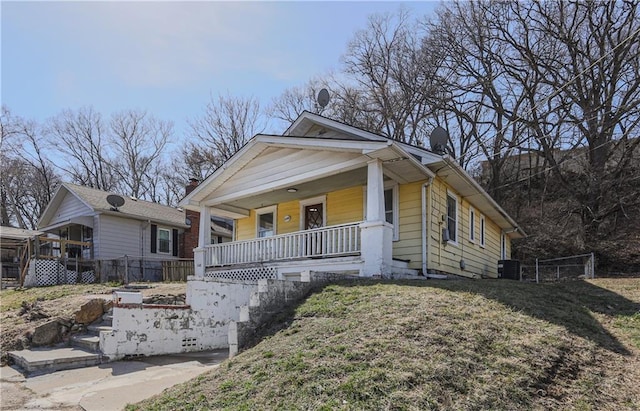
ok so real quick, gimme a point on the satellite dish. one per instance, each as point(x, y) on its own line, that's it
point(438, 140)
point(323, 98)
point(115, 201)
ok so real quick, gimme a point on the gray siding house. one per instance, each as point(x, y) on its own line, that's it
point(137, 228)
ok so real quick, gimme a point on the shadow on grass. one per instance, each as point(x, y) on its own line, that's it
point(569, 304)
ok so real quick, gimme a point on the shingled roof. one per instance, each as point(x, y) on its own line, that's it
point(133, 208)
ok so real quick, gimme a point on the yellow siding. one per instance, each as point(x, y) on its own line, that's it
point(479, 261)
point(345, 206)
point(246, 227)
point(409, 244)
point(291, 209)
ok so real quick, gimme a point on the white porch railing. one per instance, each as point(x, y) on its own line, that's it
point(319, 242)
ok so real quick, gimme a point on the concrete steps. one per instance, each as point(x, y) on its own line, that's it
point(83, 350)
point(50, 359)
point(90, 342)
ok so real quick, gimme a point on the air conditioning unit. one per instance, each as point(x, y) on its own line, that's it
point(509, 269)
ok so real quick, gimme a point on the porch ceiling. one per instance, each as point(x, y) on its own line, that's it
point(265, 180)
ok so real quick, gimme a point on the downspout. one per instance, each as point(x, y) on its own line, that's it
point(426, 219)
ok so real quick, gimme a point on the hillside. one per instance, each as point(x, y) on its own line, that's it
point(437, 345)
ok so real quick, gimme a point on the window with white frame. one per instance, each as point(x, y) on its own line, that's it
point(472, 225)
point(482, 235)
point(503, 246)
point(164, 240)
point(266, 222)
point(452, 217)
point(391, 206)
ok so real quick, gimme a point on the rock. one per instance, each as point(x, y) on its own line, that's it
point(90, 311)
point(46, 334)
point(107, 305)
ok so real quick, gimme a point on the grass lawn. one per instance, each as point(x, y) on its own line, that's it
point(461, 345)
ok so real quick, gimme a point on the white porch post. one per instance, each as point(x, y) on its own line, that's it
point(376, 233)
point(204, 239)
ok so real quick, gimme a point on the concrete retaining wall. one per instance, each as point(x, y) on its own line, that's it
point(272, 297)
point(202, 324)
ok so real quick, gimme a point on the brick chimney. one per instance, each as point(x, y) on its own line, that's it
point(191, 234)
point(193, 183)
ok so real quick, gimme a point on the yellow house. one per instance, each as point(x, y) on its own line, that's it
point(329, 197)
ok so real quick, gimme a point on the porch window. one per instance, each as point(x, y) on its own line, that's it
point(452, 217)
point(164, 241)
point(266, 222)
point(390, 206)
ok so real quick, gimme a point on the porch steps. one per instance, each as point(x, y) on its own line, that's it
point(49, 359)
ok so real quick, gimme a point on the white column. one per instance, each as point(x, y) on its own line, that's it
point(375, 191)
point(204, 239)
point(376, 234)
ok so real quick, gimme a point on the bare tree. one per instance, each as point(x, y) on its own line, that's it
point(393, 76)
point(139, 140)
point(27, 178)
point(80, 137)
point(226, 125)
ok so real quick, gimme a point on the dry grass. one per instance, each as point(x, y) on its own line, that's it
point(463, 345)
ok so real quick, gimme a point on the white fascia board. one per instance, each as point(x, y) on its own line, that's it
point(228, 211)
point(56, 201)
point(474, 184)
point(191, 199)
point(44, 217)
point(322, 144)
point(332, 124)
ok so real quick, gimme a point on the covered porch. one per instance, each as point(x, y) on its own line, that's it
point(282, 193)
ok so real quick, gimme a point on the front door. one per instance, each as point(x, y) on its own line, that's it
point(313, 216)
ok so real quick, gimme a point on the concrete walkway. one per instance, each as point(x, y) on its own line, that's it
point(104, 387)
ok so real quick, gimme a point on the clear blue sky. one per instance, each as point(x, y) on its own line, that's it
point(169, 57)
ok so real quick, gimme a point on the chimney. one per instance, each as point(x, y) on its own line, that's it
point(193, 183)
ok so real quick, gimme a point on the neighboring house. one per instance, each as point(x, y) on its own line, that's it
point(329, 197)
point(139, 229)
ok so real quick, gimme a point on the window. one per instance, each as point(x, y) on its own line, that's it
point(164, 241)
point(503, 246)
point(266, 222)
point(452, 217)
point(472, 225)
point(390, 206)
point(482, 231)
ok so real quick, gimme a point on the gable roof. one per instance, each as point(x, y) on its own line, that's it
point(96, 201)
point(314, 132)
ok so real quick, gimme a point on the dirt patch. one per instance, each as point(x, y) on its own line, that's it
point(24, 310)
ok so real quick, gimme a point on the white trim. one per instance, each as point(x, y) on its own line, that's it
point(267, 210)
point(483, 231)
point(503, 246)
point(310, 201)
point(472, 224)
point(388, 185)
point(453, 195)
